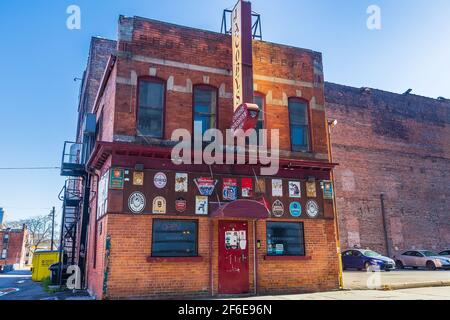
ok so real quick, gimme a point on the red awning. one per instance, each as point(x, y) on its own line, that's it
point(242, 208)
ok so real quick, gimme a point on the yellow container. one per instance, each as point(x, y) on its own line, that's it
point(42, 260)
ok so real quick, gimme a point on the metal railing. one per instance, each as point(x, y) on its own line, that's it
point(72, 159)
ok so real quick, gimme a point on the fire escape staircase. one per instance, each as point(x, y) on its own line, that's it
point(71, 195)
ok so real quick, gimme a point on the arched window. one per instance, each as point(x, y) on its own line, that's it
point(150, 114)
point(205, 106)
point(299, 124)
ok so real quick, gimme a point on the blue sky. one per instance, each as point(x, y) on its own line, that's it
point(40, 57)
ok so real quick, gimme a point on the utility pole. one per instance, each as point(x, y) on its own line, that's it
point(53, 227)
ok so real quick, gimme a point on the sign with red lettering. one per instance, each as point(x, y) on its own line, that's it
point(245, 117)
point(247, 187)
point(229, 189)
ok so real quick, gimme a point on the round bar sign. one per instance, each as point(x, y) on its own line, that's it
point(136, 202)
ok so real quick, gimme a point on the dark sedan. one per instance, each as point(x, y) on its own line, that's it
point(366, 259)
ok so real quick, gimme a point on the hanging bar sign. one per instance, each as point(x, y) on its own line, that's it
point(241, 29)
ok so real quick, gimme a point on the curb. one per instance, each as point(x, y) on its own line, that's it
point(398, 286)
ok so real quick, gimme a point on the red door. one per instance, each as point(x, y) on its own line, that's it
point(233, 257)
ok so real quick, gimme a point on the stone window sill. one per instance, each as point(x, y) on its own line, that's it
point(287, 258)
point(175, 259)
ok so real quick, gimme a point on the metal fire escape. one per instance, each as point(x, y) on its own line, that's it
point(75, 196)
point(71, 195)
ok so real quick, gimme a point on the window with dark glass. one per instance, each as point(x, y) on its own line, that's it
point(151, 108)
point(205, 107)
point(285, 239)
point(259, 100)
point(299, 124)
point(174, 238)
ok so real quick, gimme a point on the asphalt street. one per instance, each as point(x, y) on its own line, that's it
point(17, 285)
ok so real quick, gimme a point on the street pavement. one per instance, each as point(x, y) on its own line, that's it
point(17, 285)
point(20, 280)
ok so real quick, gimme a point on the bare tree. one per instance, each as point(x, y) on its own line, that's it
point(39, 230)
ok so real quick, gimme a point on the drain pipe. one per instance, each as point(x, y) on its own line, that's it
point(383, 214)
point(255, 279)
point(211, 271)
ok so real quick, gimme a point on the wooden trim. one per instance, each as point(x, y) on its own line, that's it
point(174, 259)
point(287, 258)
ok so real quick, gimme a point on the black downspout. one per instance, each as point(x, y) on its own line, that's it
point(82, 250)
point(61, 241)
point(383, 214)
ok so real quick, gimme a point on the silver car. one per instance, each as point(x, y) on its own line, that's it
point(422, 259)
point(445, 253)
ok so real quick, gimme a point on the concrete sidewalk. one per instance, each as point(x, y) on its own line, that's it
point(440, 293)
point(399, 279)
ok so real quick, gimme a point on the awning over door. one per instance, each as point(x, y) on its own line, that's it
point(242, 208)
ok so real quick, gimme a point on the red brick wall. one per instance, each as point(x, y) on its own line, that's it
point(152, 48)
point(397, 145)
point(320, 273)
point(131, 275)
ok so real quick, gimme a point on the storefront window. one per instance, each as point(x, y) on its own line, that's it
point(151, 108)
point(285, 239)
point(174, 238)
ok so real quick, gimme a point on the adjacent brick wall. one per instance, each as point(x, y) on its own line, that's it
point(16, 246)
point(99, 52)
point(397, 145)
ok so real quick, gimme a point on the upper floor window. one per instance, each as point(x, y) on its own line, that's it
point(150, 120)
point(205, 107)
point(259, 100)
point(299, 124)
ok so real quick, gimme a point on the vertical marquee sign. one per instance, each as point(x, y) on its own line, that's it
point(242, 53)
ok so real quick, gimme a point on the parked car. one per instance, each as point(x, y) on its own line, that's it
point(445, 253)
point(364, 259)
point(422, 259)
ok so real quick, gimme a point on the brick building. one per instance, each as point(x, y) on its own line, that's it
point(280, 231)
point(398, 146)
point(13, 251)
point(391, 182)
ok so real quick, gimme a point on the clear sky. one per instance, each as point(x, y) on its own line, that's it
point(39, 58)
